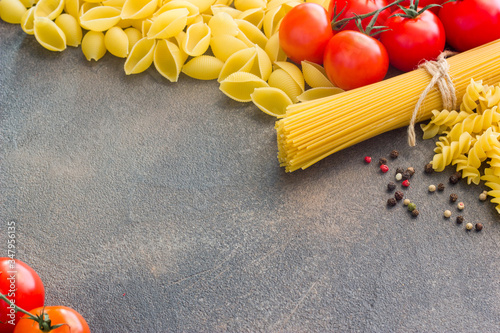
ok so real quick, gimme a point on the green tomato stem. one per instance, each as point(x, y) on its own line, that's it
point(16, 308)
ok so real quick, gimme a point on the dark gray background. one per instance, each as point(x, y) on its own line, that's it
point(151, 206)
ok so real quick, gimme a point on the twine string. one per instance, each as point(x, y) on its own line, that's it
point(439, 70)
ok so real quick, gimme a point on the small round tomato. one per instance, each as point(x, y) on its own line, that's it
point(470, 23)
point(410, 41)
point(21, 284)
point(353, 59)
point(304, 32)
point(350, 8)
point(72, 321)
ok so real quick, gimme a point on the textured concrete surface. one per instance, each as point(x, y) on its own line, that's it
point(157, 207)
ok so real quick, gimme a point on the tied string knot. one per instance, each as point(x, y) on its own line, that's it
point(439, 70)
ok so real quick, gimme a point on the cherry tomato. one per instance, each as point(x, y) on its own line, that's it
point(423, 3)
point(410, 41)
point(353, 59)
point(352, 7)
point(470, 23)
point(304, 32)
point(21, 284)
point(74, 322)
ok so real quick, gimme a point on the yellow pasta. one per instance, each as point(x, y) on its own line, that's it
point(11, 11)
point(203, 67)
point(274, 50)
point(72, 7)
point(241, 61)
point(223, 46)
point(168, 23)
point(315, 75)
point(243, 5)
point(138, 9)
point(27, 21)
point(133, 36)
point(193, 11)
point(240, 85)
point(197, 39)
point(203, 5)
point(49, 35)
point(215, 9)
point(140, 57)
point(223, 24)
point(100, 18)
point(168, 59)
point(311, 131)
point(49, 8)
point(270, 100)
point(93, 46)
point(250, 34)
point(72, 30)
point(116, 41)
point(317, 93)
point(254, 16)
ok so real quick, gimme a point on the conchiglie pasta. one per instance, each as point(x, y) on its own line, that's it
point(241, 61)
point(254, 16)
point(176, 4)
point(113, 3)
point(315, 75)
point(270, 100)
point(250, 34)
point(223, 24)
point(197, 39)
point(49, 35)
point(225, 9)
point(203, 5)
point(28, 21)
point(116, 41)
point(133, 36)
point(93, 46)
point(29, 3)
point(274, 50)
point(140, 57)
point(138, 9)
point(203, 67)
point(317, 93)
point(282, 80)
point(240, 85)
point(100, 18)
point(49, 8)
point(72, 30)
point(11, 11)
point(249, 4)
point(223, 46)
point(168, 59)
point(72, 7)
point(169, 23)
point(294, 72)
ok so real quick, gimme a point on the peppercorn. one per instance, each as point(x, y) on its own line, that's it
point(412, 206)
point(394, 154)
point(399, 176)
point(483, 196)
point(460, 205)
point(406, 175)
point(414, 213)
point(400, 170)
point(432, 188)
point(384, 168)
point(406, 202)
point(460, 219)
point(405, 183)
point(479, 226)
point(411, 171)
point(469, 226)
point(399, 195)
point(368, 159)
point(455, 178)
point(382, 160)
point(429, 168)
point(391, 202)
point(447, 213)
point(453, 197)
point(440, 187)
point(391, 186)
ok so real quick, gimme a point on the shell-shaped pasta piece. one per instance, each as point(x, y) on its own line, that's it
point(48, 34)
point(223, 24)
point(240, 85)
point(145, 27)
point(12, 11)
point(249, 4)
point(262, 66)
point(72, 7)
point(197, 39)
point(138, 9)
point(29, 3)
point(203, 5)
point(223, 2)
point(241, 61)
point(225, 9)
point(72, 30)
point(317, 93)
point(315, 75)
point(275, 3)
point(169, 23)
point(294, 72)
point(203, 67)
point(113, 3)
point(175, 4)
point(254, 16)
point(27, 21)
point(274, 50)
point(272, 20)
point(140, 57)
point(250, 34)
point(168, 59)
point(100, 18)
point(93, 45)
point(279, 78)
point(116, 41)
point(86, 6)
point(223, 46)
point(133, 36)
point(270, 100)
point(49, 8)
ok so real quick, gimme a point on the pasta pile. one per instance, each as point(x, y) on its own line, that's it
point(313, 130)
point(470, 136)
point(235, 43)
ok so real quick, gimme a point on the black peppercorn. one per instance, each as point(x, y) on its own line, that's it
point(414, 213)
point(453, 197)
point(394, 154)
point(479, 226)
point(411, 171)
point(428, 168)
point(399, 195)
point(406, 175)
point(391, 202)
point(382, 160)
point(460, 219)
point(455, 178)
point(391, 186)
point(440, 187)
point(400, 170)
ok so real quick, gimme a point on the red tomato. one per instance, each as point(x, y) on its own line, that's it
point(304, 32)
point(410, 41)
point(423, 3)
point(352, 7)
point(470, 23)
point(74, 321)
point(27, 294)
point(353, 59)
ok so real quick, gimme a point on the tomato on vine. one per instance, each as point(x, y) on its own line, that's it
point(344, 9)
point(414, 35)
point(423, 3)
point(61, 320)
point(304, 32)
point(470, 23)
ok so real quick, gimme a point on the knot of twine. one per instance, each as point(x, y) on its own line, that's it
point(440, 76)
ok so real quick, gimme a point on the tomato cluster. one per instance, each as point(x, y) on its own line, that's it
point(22, 286)
point(357, 40)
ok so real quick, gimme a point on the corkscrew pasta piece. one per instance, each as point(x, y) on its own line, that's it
point(493, 182)
point(470, 100)
point(442, 121)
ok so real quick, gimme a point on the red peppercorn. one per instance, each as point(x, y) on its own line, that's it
point(405, 183)
point(368, 159)
point(384, 168)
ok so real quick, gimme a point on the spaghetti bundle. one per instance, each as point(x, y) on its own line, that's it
point(313, 130)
